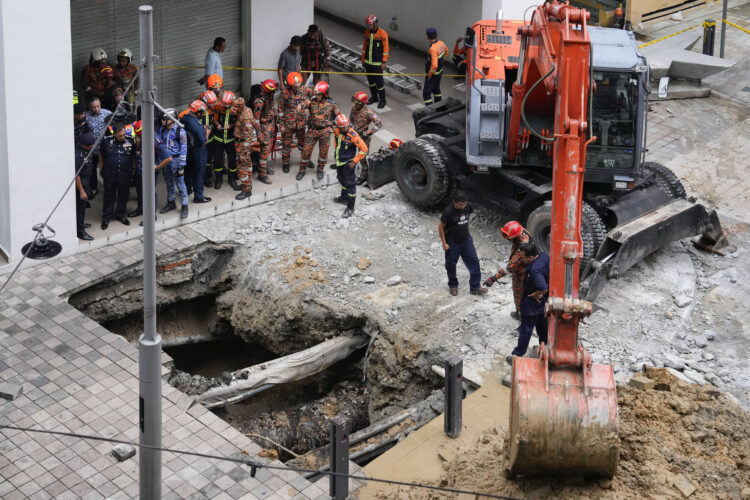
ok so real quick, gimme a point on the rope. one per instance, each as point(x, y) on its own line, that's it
point(361, 73)
point(258, 465)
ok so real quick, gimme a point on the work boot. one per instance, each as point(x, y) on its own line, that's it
point(208, 182)
point(348, 212)
point(340, 199)
point(285, 168)
point(233, 181)
point(184, 212)
point(218, 181)
point(264, 179)
point(453, 291)
point(381, 103)
point(478, 291)
point(243, 195)
point(300, 175)
point(320, 174)
point(372, 100)
point(168, 207)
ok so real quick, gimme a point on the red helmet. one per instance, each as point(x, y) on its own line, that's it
point(293, 78)
point(360, 96)
point(209, 97)
point(138, 127)
point(371, 19)
point(511, 230)
point(107, 72)
point(214, 81)
point(395, 144)
point(342, 121)
point(321, 88)
point(197, 106)
point(269, 85)
point(227, 98)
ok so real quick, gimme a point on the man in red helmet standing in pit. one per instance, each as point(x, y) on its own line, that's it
point(292, 105)
point(323, 111)
point(265, 126)
point(517, 235)
point(361, 117)
point(350, 150)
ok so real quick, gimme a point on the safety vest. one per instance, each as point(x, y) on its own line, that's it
point(228, 123)
point(346, 150)
point(206, 121)
point(374, 49)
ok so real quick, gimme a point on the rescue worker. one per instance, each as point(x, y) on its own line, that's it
point(315, 51)
point(223, 138)
point(243, 133)
point(517, 235)
point(459, 55)
point(83, 162)
point(209, 97)
point(436, 55)
point(322, 112)
point(108, 98)
point(350, 150)
point(116, 166)
point(374, 57)
point(196, 159)
point(265, 126)
point(361, 117)
point(214, 82)
point(175, 140)
point(292, 104)
point(535, 292)
point(125, 73)
point(91, 76)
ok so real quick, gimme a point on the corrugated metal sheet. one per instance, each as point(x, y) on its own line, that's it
point(183, 32)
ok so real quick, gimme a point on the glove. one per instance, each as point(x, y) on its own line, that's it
point(489, 281)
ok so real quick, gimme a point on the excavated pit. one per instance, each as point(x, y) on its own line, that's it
point(211, 326)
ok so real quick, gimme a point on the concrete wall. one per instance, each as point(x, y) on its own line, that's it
point(36, 133)
point(271, 24)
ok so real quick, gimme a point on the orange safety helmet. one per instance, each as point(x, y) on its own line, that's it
point(371, 19)
point(228, 98)
point(342, 121)
point(395, 144)
point(293, 78)
point(138, 127)
point(269, 85)
point(360, 96)
point(209, 97)
point(107, 72)
point(237, 105)
point(215, 81)
point(197, 106)
point(321, 88)
point(511, 230)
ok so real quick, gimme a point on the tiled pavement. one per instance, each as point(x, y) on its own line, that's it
point(79, 377)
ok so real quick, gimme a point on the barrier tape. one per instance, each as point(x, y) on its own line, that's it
point(735, 26)
point(668, 36)
point(320, 72)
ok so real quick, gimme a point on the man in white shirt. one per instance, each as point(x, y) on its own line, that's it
point(213, 60)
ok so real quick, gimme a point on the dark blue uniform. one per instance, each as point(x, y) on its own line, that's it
point(160, 153)
point(461, 244)
point(118, 162)
point(195, 171)
point(88, 167)
point(532, 312)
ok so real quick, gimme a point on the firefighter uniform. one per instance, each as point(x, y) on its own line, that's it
point(118, 165)
point(434, 68)
point(322, 114)
point(224, 143)
point(516, 268)
point(361, 117)
point(375, 53)
point(350, 149)
point(292, 105)
point(265, 128)
point(243, 133)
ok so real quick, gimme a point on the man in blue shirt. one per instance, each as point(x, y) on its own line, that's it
point(535, 292)
point(175, 140)
point(213, 60)
point(196, 160)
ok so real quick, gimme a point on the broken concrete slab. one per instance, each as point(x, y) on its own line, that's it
point(123, 451)
point(683, 485)
point(680, 375)
point(695, 376)
point(672, 361)
point(641, 382)
point(672, 57)
point(10, 390)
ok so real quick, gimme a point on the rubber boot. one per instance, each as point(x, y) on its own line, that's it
point(218, 180)
point(381, 99)
point(285, 168)
point(232, 176)
point(342, 198)
point(349, 208)
point(168, 207)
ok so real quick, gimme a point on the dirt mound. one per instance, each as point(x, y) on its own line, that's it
point(677, 440)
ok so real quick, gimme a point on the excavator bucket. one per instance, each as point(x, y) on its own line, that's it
point(563, 421)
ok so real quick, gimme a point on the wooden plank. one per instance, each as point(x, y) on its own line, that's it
point(643, 11)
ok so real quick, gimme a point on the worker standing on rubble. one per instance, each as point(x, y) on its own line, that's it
point(350, 150)
point(292, 105)
point(374, 57)
point(265, 126)
point(361, 117)
point(517, 235)
point(243, 133)
point(535, 293)
point(322, 112)
point(457, 242)
point(436, 55)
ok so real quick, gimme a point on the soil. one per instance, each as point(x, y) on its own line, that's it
point(676, 438)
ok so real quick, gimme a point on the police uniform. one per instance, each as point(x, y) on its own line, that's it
point(175, 140)
point(118, 164)
point(350, 149)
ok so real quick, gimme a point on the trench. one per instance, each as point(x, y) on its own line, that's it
point(289, 419)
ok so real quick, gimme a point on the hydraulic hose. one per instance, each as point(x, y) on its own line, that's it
point(523, 107)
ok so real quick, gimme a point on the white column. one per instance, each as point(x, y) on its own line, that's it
point(36, 123)
point(272, 25)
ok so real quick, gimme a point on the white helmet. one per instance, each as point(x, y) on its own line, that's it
point(125, 53)
point(98, 55)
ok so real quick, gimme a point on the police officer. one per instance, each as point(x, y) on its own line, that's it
point(116, 166)
point(350, 150)
point(84, 144)
point(175, 140)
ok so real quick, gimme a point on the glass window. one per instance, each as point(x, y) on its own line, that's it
point(615, 109)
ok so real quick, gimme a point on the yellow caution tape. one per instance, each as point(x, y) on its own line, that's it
point(320, 72)
point(668, 36)
point(735, 26)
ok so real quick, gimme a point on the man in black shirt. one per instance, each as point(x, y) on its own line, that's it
point(535, 292)
point(83, 145)
point(457, 242)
